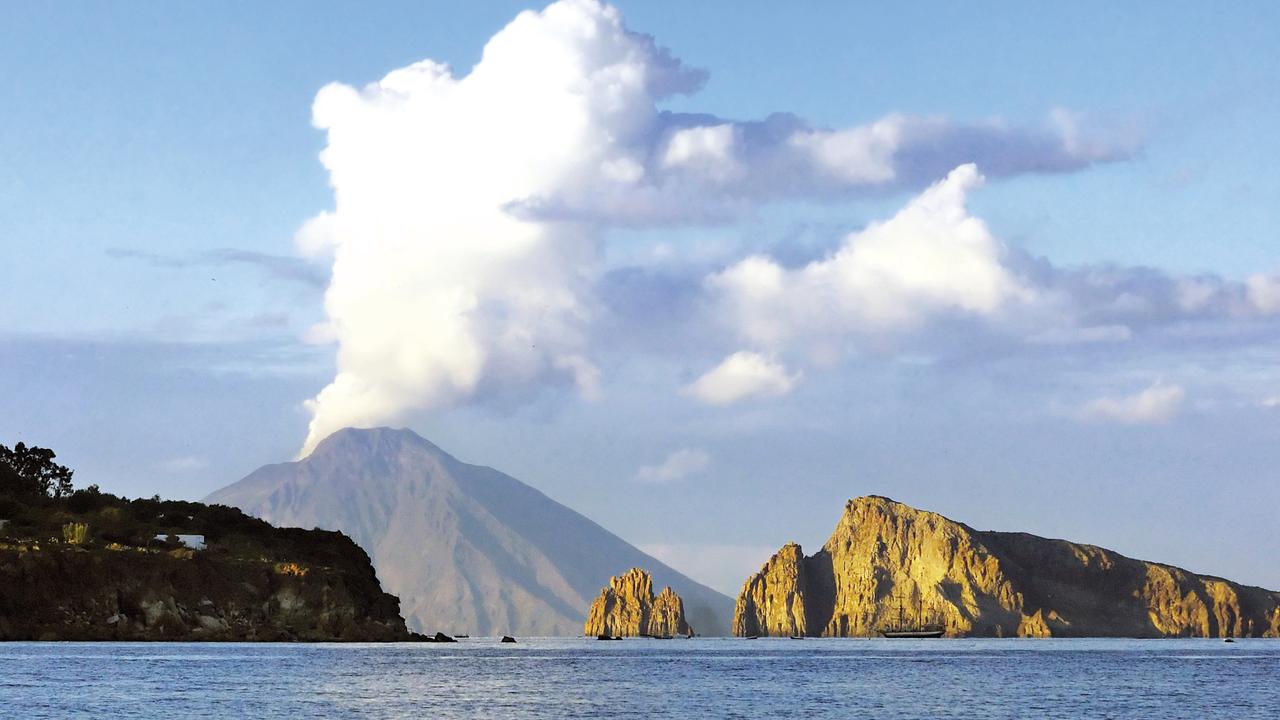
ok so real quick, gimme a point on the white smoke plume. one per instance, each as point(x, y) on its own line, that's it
point(436, 286)
point(469, 210)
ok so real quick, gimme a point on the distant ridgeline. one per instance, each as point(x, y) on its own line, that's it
point(889, 564)
point(87, 565)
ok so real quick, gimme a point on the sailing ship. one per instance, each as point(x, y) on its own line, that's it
point(920, 626)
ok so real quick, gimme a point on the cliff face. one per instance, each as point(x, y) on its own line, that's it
point(67, 593)
point(985, 584)
point(667, 617)
point(773, 601)
point(628, 608)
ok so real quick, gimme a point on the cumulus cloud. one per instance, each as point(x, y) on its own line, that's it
point(1264, 293)
point(1142, 297)
point(931, 257)
point(935, 266)
point(1159, 403)
point(679, 465)
point(702, 168)
point(740, 376)
point(470, 211)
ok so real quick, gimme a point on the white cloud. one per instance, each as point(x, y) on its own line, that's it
point(706, 150)
point(1194, 294)
point(1082, 335)
point(860, 155)
point(185, 464)
point(679, 465)
point(740, 376)
point(1271, 402)
point(931, 257)
point(1264, 293)
point(1159, 403)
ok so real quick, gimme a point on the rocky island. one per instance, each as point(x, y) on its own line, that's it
point(884, 555)
point(627, 607)
point(87, 565)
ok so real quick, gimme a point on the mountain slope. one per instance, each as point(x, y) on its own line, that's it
point(465, 547)
point(986, 583)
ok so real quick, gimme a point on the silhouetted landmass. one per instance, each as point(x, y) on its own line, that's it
point(88, 565)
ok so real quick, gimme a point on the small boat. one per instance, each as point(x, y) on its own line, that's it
point(753, 637)
point(462, 636)
point(924, 631)
point(922, 626)
point(797, 637)
point(608, 637)
point(1229, 640)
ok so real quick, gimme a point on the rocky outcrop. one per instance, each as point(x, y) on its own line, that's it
point(628, 608)
point(63, 592)
point(886, 558)
point(773, 601)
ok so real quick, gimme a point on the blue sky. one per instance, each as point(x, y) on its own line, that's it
point(157, 161)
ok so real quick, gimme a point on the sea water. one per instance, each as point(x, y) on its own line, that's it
point(700, 678)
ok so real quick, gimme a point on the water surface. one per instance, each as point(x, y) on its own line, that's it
point(702, 678)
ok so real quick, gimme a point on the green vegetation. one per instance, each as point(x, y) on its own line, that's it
point(39, 506)
point(75, 533)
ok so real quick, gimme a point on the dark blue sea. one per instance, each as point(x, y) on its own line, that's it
point(702, 678)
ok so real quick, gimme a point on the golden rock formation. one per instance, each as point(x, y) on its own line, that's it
point(886, 558)
point(773, 601)
point(628, 608)
point(667, 617)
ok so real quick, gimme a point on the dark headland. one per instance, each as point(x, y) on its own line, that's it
point(87, 565)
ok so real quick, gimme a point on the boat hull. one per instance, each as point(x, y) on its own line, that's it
point(898, 634)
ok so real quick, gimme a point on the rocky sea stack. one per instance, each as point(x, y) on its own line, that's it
point(884, 555)
point(627, 608)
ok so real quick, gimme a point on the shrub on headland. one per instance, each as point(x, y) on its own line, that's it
point(75, 533)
